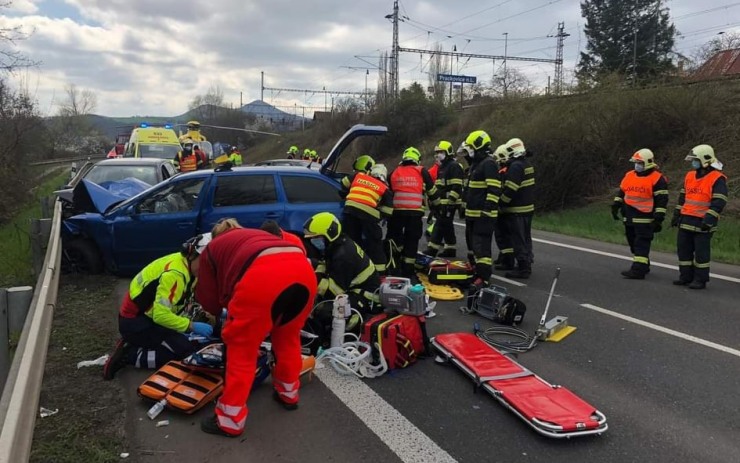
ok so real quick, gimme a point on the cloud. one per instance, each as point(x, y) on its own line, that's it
point(152, 57)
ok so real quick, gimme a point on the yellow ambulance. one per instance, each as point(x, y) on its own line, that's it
point(152, 142)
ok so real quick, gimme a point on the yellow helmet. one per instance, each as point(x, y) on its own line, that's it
point(411, 154)
point(644, 156)
point(323, 224)
point(478, 140)
point(444, 147)
point(363, 163)
point(307, 152)
point(193, 125)
point(704, 154)
point(515, 148)
point(293, 150)
point(314, 154)
point(501, 155)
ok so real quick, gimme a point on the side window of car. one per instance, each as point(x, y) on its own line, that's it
point(175, 197)
point(243, 190)
point(304, 189)
point(165, 172)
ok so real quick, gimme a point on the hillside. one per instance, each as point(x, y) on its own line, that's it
point(582, 142)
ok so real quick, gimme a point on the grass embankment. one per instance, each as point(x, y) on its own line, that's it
point(595, 222)
point(90, 424)
point(15, 245)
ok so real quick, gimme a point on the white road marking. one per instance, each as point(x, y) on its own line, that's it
point(618, 256)
point(662, 329)
point(506, 280)
point(407, 441)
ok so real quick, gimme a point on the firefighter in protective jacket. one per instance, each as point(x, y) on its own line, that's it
point(410, 183)
point(368, 200)
point(642, 199)
point(702, 199)
point(482, 198)
point(344, 268)
point(517, 207)
point(449, 183)
point(505, 259)
point(268, 287)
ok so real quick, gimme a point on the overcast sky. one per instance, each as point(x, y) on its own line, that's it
point(149, 57)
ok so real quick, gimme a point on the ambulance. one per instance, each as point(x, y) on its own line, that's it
point(152, 142)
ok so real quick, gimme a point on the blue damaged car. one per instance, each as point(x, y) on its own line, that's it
point(123, 236)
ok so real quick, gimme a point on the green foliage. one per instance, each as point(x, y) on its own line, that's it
point(614, 28)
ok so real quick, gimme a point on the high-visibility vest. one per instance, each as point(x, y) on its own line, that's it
point(365, 193)
point(235, 159)
point(638, 190)
point(698, 196)
point(408, 188)
point(188, 163)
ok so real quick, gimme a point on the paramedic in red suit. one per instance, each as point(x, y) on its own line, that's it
point(268, 287)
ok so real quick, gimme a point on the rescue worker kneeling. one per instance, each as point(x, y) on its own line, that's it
point(344, 268)
point(268, 287)
point(152, 329)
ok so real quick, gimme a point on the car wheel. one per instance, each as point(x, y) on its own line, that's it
point(81, 256)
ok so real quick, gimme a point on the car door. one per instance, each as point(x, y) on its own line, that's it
point(157, 223)
point(306, 195)
point(249, 197)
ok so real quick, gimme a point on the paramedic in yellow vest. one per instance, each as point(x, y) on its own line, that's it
point(449, 183)
point(187, 160)
point(235, 157)
point(193, 132)
point(410, 182)
point(368, 200)
point(642, 199)
point(702, 199)
point(153, 331)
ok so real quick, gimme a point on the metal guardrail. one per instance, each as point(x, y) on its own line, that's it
point(65, 160)
point(20, 400)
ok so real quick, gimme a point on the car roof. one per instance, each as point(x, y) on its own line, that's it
point(252, 169)
point(132, 161)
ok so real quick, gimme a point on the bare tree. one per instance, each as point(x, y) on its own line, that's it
point(208, 106)
point(438, 64)
point(511, 82)
point(724, 41)
point(11, 59)
point(78, 102)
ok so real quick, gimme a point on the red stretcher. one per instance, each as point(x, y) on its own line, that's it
point(551, 410)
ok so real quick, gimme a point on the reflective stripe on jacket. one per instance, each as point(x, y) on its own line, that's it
point(365, 194)
point(187, 163)
point(638, 191)
point(159, 291)
point(408, 188)
point(698, 196)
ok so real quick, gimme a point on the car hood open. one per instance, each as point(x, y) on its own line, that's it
point(91, 197)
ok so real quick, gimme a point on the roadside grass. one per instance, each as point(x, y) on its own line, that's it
point(15, 245)
point(595, 222)
point(90, 424)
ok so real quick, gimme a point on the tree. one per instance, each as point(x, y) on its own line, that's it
point(438, 64)
point(511, 82)
point(724, 41)
point(207, 106)
point(627, 37)
point(78, 102)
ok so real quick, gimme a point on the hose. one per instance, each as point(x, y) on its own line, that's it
point(518, 340)
point(353, 358)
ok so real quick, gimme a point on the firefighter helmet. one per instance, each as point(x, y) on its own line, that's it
point(444, 147)
point(478, 140)
point(704, 154)
point(363, 163)
point(501, 155)
point(465, 150)
point(193, 247)
point(323, 224)
point(411, 154)
point(293, 150)
point(644, 156)
point(515, 148)
point(380, 172)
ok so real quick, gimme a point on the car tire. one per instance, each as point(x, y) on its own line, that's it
point(81, 256)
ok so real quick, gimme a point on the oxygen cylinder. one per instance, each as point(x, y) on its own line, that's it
point(341, 305)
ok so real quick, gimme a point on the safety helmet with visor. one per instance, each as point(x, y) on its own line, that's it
point(321, 229)
point(411, 154)
point(644, 158)
point(704, 157)
point(363, 163)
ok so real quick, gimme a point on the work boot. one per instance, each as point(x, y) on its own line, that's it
point(430, 252)
point(633, 274)
point(286, 405)
point(680, 282)
point(505, 263)
point(522, 272)
point(117, 360)
point(698, 284)
point(210, 425)
point(449, 252)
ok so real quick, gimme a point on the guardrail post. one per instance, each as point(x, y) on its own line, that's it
point(4, 339)
point(40, 233)
point(19, 300)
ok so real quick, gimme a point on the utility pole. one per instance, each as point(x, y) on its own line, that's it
point(506, 53)
point(561, 35)
point(634, 60)
point(262, 87)
point(241, 100)
point(394, 51)
point(367, 73)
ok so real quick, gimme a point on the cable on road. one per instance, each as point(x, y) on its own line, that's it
point(506, 338)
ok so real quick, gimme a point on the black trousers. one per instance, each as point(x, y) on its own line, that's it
point(503, 243)
point(694, 254)
point(406, 231)
point(479, 236)
point(369, 236)
point(519, 232)
point(639, 237)
point(443, 234)
point(156, 344)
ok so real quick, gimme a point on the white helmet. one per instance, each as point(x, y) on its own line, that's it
point(501, 155)
point(705, 155)
point(515, 148)
point(644, 156)
point(380, 172)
